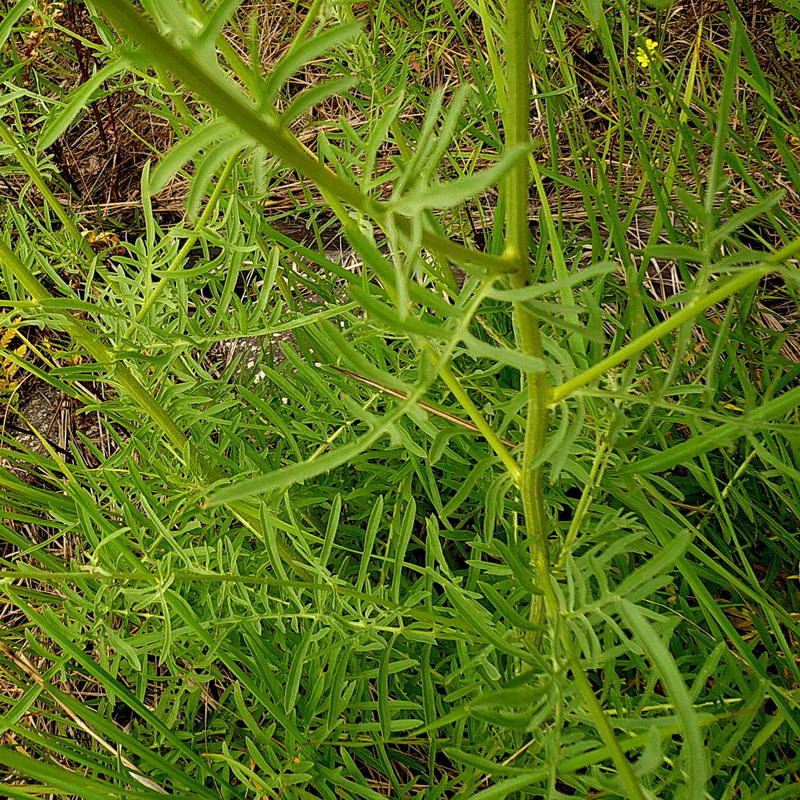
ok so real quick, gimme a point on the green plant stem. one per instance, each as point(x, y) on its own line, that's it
point(267, 131)
point(36, 178)
point(191, 239)
point(516, 133)
point(460, 393)
point(687, 313)
point(600, 720)
point(517, 33)
point(102, 355)
point(538, 390)
point(598, 466)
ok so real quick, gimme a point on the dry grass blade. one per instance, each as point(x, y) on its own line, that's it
point(36, 677)
point(439, 412)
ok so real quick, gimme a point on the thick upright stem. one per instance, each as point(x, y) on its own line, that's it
point(531, 487)
point(537, 387)
point(516, 132)
point(517, 106)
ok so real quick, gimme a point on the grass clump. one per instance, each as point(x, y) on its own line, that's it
point(444, 444)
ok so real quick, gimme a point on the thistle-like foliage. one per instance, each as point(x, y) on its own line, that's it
point(444, 447)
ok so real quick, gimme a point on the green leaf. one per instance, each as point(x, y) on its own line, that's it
point(187, 149)
point(331, 339)
point(294, 473)
point(503, 355)
point(77, 101)
point(374, 522)
point(511, 614)
point(485, 765)
point(747, 215)
point(658, 565)
point(652, 756)
point(445, 135)
point(447, 195)
point(382, 687)
point(509, 698)
point(315, 95)
point(71, 782)
point(425, 140)
point(594, 12)
point(296, 671)
point(207, 168)
point(551, 313)
point(551, 287)
point(503, 789)
point(297, 57)
point(694, 750)
point(409, 325)
point(475, 616)
point(676, 252)
point(216, 22)
point(718, 437)
point(372, 257)
point(10, 19)
point(521, 570)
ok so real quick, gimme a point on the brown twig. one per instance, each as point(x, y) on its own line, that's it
point(439, 412)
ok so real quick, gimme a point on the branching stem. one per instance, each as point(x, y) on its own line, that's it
point(265, 129)
point(526, 326)
point(545, 607)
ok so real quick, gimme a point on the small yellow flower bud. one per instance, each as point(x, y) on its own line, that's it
point(645, 54)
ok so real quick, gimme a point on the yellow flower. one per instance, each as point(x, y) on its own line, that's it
point(645, 55)
point(9, 367)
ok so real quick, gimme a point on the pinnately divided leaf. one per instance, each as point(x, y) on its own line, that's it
point(394, 405)
point(448, 195)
